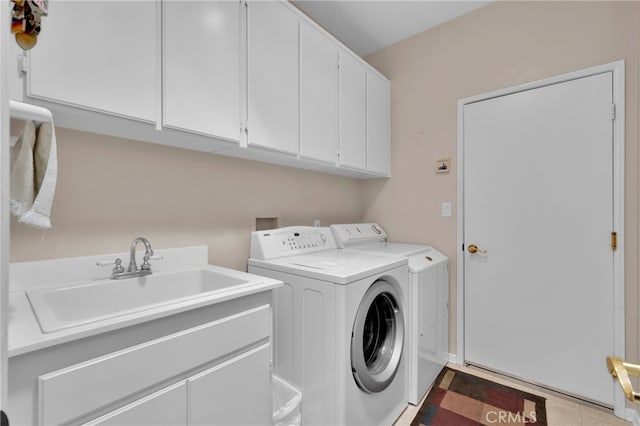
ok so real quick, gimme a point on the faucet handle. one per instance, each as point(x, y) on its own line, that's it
point(117, 269)
point(146, 266)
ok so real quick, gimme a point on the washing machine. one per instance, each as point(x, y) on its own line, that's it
point(428, 300)
point(339, 325)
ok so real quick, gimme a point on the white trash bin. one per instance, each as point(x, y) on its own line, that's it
point(286, 403)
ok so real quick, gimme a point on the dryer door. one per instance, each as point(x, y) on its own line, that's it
point(377, 338)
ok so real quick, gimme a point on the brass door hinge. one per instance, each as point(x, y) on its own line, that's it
point(614, 240)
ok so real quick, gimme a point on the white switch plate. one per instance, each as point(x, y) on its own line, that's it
point(446, 209)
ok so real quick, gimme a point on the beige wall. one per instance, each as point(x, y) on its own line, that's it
point(497, 46)
point(111, 190)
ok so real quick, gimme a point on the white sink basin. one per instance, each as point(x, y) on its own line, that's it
point(87, 302)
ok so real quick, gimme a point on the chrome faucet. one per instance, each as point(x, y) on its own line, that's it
point(118, 271)
point(148, 252)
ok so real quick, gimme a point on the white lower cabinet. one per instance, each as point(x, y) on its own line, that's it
point(200, 375)
point(232, 393)
point(163, 408)
point(217, 396)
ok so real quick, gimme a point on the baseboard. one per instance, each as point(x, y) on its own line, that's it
point(453, 359)
point(633, 416)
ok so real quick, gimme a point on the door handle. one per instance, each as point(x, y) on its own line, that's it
point(474, 249)
point(621, 370)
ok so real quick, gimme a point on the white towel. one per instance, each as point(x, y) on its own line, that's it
point(22, 173)
point(34, 170)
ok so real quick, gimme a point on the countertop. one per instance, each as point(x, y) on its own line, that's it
point(25, 334)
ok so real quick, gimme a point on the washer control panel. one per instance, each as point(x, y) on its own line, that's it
point(299, 241)
point(289, 241)
point(357, 233)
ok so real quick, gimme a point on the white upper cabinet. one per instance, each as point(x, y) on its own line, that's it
point(256, 80)
point(378, 127)
point(202, 67)
point(100, 55)
point(353, 112)
point(318, 95)
point(273, 77)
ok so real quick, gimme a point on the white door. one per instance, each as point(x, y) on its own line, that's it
point(202, 67)
point(106, 60)
point(378, 126)
point(5, 39)
point(220, 395)
point(353, 112)
point(273, 77)
point(318, 96)
point(166, 407)
point(538, 191)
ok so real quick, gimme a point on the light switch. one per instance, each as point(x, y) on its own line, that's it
point(446, 209)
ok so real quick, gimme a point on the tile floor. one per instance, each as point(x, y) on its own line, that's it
point(560, 411)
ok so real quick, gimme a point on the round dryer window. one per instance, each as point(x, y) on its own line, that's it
point(377, 339)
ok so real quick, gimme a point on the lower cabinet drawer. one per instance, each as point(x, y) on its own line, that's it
point(166, 407)
point(74, 392)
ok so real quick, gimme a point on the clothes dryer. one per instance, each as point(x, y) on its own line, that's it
point(428, 300)
point(339, 325)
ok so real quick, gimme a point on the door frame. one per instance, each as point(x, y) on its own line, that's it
point(5, 39)
point(617, 69)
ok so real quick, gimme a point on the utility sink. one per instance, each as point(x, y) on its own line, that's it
point(90, 301)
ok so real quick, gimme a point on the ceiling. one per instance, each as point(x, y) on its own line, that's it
point(368, 26)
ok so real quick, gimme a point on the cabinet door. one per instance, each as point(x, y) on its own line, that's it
point(99, 55)
point(273, 92)
point(202, 67)
point(167, 407)
point(236, 392)
point(318, 96)
point(378, 138)
point(353, 112)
